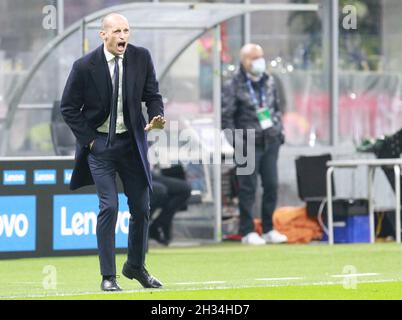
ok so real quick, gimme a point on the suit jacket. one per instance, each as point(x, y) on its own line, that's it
point(86, 103)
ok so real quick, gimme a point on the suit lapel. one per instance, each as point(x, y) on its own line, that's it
point(130, 73)
point(101, 76)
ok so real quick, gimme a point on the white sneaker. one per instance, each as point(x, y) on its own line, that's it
point(274, 237)
point(253, 238)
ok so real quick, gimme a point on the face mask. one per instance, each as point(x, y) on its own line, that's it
point(258, 67)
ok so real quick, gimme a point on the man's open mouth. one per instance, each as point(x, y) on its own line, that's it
point(121, 45)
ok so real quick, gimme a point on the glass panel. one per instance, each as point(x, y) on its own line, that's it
point(187, 89)
point(292, 43)
point(22, 35)
point(175, 15)
point(36, 103)
point(370, 76)
point(75, 10)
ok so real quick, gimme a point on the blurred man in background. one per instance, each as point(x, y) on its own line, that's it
point(250, 101)
point(170, 195)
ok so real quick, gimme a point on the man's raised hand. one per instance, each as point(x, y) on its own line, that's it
point(157, 122)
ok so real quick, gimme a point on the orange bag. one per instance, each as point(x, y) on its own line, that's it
point(296, 225)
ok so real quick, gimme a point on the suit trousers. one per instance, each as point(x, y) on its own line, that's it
point(104, 162)
point(266, 165)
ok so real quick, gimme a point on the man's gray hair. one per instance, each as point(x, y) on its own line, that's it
point(106, 18)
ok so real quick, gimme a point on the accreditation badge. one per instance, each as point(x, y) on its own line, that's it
point(264, 116)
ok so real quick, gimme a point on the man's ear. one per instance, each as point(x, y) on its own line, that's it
point(102, 34)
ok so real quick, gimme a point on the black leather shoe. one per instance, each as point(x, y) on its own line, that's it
point(141, 275)
point(110, 285)
point(157, 233)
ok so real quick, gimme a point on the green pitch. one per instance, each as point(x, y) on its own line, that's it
point(224, 271)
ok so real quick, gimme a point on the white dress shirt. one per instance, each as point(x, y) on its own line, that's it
point(120, 127)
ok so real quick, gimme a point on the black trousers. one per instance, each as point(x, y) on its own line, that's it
point(104, 163)
point(169, 194)
point(266, 165)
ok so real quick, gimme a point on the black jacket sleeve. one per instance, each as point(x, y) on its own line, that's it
point(71, 104)
point(151, 96)
point(229, 105)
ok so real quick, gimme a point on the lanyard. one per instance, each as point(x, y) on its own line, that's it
point(263, 96)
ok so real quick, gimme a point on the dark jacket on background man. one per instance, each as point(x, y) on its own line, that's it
point(239, 110)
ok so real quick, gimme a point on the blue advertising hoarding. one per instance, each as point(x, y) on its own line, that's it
point(74, 221)
point(17, 223)
point(44, 177)
point(14, 177)
point(67, 175)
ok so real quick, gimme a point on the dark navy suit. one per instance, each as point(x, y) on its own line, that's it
point(85, 106)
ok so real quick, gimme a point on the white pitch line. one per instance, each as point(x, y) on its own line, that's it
point(278, 279)
point(320, 283)
point(205, 282)
point(350, 275)
point(33, 282)
point(28, 282)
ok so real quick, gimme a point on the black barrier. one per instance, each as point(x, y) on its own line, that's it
point(40, 216)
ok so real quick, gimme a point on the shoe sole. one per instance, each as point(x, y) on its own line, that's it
point(253, 244)
point(111, 290)
point(132, 278)
point(272, 242)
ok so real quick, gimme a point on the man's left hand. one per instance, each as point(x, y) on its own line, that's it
point(157, 122)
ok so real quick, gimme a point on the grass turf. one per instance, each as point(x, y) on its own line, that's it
point(224, 271)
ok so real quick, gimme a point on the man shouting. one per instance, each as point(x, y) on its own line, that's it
point(101, 104)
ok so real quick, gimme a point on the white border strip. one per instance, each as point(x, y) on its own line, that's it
point(279, 279)
point(321, 283)
point(351, 275)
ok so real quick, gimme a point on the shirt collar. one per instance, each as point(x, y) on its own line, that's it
point(110, 56)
